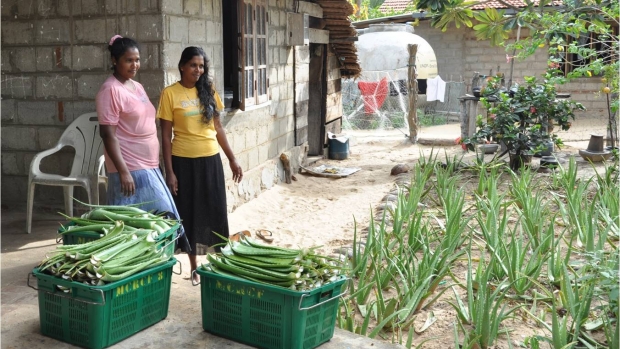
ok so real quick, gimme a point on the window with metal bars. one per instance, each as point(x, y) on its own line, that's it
point(604, 45)
point(245, 53)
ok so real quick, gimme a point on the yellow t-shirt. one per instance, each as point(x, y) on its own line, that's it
point(192, 137)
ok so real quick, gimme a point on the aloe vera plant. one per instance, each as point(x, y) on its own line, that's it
point(519, 262)
point(485, 310)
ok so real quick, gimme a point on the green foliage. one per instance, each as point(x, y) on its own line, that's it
point(458, 12)
point(521, 118)
point(491, 26)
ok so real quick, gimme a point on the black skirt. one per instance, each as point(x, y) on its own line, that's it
point(201, 201)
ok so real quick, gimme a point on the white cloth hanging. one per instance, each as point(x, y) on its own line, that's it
point(435, 89)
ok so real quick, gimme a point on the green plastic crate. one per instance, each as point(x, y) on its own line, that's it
point(96, 317)
point(265, 316)
point(81, 237)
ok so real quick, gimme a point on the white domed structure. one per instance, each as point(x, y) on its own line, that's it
point(382, 48)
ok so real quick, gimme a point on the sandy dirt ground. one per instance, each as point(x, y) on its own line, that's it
point(317, 211)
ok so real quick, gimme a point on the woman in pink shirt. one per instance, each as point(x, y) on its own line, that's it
point(129, 132)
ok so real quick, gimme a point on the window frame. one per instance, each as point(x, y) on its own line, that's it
point(251, 85)
point(571, 60)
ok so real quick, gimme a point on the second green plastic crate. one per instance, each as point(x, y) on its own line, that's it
point(96, 317)
point(268, 317)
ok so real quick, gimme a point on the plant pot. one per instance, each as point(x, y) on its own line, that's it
point(488, 148)
point(547, 152)
point(519, 161)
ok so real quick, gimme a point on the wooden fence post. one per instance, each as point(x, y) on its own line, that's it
point(412, 115)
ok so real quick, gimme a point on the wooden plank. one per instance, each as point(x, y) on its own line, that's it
point(349, 39)
point(311, 8)
point(338, 22)
point(318, 36)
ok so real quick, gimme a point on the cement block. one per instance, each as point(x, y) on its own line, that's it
point(18, 138)
point(149, 56)
point(16, 86)
point(216, 10)
point(238, 142)
point(9, 8)
point(172, 7)
point(13, 188)
point(10, 164)
point(191, 7)
point(302, 54)
point(49, 136)
point(212, 33)
point(63, 7)
point(242, 160)
point(302, 73)
point(18, 9)
point(89, 31)
point(171, 53)
point(263, 153)
point(46, 58)
point(148, 6)
point(302, 91)
point(262, 134)
point(250, 138)
point(216, 60)
point(111, 6)
point(53, 31)
point(153, 82)
point(37, 113)
point(273, 149)
point(72, 110)
point(17, 33)
point(281, 144)
point(57, 86)
point(178, 29)
point(282, 18)
point(5, 63)
point(88, 7)
point(150, 28)
point(88, 57)
point(88, 84)
point(127, 26)
point(253, 158)
point(198, 31)
point(9, 110)
point(46, 8)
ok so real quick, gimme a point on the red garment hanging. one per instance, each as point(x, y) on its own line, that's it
point(373, 94)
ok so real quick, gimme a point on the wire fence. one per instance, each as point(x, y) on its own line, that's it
point(384, 104)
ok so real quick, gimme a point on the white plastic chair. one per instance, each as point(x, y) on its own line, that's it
point(87, 170)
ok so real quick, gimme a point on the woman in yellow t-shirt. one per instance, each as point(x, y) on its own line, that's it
point(194, 171)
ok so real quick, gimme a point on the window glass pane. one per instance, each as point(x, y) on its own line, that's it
point(262, 81)
point(260, 46)
point(249, 83)
point(249, 52)
point(248, 19)
point(260, 17)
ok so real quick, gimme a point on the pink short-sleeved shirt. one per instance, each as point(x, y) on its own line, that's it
point(133, 114)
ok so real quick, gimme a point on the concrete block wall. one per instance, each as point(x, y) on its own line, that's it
point(459, 53)
point(54, 59)
point(302, 92)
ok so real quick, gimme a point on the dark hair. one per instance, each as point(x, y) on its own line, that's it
point(204, 84)
point(120, 46)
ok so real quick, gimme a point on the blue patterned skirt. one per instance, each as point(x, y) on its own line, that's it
point(151, 192)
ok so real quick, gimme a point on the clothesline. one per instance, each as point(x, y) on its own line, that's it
point(387, 71)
